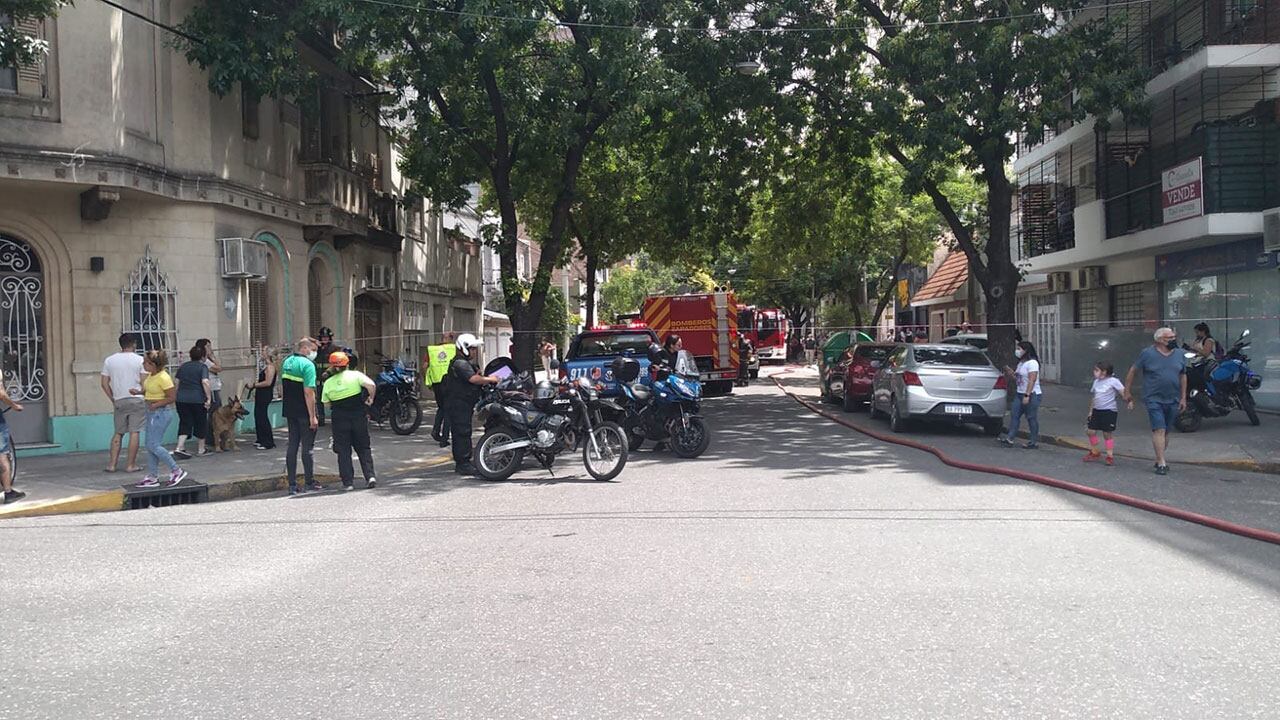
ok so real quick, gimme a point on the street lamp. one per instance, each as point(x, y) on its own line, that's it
point(747, 67)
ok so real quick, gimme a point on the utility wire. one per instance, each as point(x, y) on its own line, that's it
point(723, 31)
point(149, 21)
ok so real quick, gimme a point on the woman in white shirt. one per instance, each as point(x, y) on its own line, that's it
point(1027, 403)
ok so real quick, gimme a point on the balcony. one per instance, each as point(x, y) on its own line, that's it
point(1046, 219)
point(337, 201)
point(1241, 173)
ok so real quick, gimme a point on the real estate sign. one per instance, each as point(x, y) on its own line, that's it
point(1182, 191)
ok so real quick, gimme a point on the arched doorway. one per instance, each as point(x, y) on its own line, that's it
point(22, 314)
point(368, 335)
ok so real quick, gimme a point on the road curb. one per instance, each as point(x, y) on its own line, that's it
point(114, 500)
point(1253, 466)
point(1177, 513)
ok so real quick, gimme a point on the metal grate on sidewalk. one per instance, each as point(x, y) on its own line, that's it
point(187, 492)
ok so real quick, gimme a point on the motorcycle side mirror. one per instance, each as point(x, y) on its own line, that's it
point(1244, 334)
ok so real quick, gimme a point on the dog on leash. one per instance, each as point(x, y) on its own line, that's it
point(224, 424)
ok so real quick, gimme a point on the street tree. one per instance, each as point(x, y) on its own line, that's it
point(18, 44)
point(515, 93)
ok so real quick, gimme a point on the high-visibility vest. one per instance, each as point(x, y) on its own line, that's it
point(439, 357)
point(344, 389)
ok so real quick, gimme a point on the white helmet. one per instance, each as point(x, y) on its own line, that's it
point(466, 341)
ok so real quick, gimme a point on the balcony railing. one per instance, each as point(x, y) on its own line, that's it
point(1240, 167)
point(326, 184)
point(1046, 219)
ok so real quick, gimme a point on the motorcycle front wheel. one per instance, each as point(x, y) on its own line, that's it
point(1250, 409)
point(690, 441)
point(605, 457)
point(406, 416)
point(496, 466)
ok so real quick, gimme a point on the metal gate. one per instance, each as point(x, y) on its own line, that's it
point(22, 311)
point(1045, 336)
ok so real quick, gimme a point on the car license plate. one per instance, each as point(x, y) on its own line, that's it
point(958, 409)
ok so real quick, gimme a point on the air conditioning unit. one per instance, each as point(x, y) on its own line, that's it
point(1087, 175)
point(1089, 278)
point(243, 258)
point(1271, 231)
point(1059, 282)
point(379, 277)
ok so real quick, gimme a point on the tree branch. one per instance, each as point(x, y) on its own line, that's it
point(964, 237)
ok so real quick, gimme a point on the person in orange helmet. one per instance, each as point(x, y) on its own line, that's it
point(348, 393)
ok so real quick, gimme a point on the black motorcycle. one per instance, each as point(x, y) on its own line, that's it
point(396, 401)
point(555, 418)
point(1216, 387)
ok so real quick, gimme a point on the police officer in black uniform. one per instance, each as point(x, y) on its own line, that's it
point(323, 371)
point(461, 393)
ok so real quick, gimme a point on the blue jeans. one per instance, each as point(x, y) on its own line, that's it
point(157, 422)
point(1032, 411)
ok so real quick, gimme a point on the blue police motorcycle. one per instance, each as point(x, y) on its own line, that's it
point(396, 401)
point(1216, 387)
point(664, 407)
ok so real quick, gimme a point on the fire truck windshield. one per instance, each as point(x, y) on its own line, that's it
point(768, 327)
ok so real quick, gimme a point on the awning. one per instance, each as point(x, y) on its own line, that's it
point(946, 281)
point(497, 317)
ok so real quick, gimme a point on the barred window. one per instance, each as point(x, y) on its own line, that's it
point(259, 312)
point(148, 307)
point(1086, 308)
point(1126, 305)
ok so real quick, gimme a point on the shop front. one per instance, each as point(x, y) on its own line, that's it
point(1232, 287)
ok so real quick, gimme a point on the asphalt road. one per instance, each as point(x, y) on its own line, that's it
point(798, 570)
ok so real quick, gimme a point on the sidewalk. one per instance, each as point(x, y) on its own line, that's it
point(1228, 442)
point(76, 482)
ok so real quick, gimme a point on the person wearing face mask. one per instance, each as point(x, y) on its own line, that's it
point(1027, 402)
point(1164, 389)
point(298, 405)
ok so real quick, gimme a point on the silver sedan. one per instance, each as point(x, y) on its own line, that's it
point(948, 383)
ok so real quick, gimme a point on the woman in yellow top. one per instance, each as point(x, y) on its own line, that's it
point(159, 392)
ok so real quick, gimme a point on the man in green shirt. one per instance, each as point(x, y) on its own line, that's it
point(298, 402)
point(348, 392)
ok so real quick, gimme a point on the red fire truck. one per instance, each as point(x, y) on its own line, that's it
point(708, 325)
point(767, 330)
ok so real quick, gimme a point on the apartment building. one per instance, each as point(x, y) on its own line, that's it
point(1172, 221)
point(132, 199)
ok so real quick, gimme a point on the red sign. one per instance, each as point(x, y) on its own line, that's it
point(1182, 191)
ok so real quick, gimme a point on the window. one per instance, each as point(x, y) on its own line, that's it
point(1127, 305)
point(249, 113)
point(149, 309)
point(962, 356)
point(315, 299)
point(1086, 308)
point(25, 80)
point(259, 316)
point(606, 344)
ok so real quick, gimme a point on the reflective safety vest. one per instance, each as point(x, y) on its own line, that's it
point(345, 390)
point(439, 358)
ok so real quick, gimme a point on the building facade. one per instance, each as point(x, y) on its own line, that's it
point(1163, 222)
point(132, 199)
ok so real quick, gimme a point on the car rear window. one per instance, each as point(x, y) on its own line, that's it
point(874, 352)
point(958, 355)
point(606, 344)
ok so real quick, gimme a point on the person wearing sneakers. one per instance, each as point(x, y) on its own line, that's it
point(1027, 401)
point(6, 473)
point(298, 405)
point(195, 395)
point(461, 393)
point(348, 393)
point(1107, 391)
point(1164, 389)
point(160, 393)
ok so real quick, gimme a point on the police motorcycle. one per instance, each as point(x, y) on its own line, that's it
point(1216, 387)
point(546, 420)
point(396, 400)
point(665, 406)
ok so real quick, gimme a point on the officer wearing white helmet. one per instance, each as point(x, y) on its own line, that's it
point(461, 393)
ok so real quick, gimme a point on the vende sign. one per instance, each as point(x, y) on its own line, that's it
point(1182, 193)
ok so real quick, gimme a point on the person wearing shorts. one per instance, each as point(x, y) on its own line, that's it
point(1107, 391)
point(11, 494)
point(122, 373)
point(1164, 389)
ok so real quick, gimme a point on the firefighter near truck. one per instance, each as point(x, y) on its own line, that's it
point(708, 325)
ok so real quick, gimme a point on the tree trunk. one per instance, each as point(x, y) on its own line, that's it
point(1001, 284)
point(886, 295)
point(593, 262)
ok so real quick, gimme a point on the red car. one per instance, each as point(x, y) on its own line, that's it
point(859, 366)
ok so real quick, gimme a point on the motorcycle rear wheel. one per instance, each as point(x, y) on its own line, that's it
point(496, 466)
point(1250, 409)
point(1188, 422)
point(606, 463)
point(406, 417)
point(692, 442)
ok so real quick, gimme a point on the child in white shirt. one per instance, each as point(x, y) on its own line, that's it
point(1103, 406)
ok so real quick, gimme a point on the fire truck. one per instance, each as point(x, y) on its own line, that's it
point(767, 330)
point(708, 325)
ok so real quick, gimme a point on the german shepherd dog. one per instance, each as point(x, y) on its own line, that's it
point(224, 424)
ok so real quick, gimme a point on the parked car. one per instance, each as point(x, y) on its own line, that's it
point(858, 373)
point(978, 340)
point(829, 355)
point(951, 383)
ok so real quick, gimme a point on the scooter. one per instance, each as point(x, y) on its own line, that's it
point(1216, 387)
